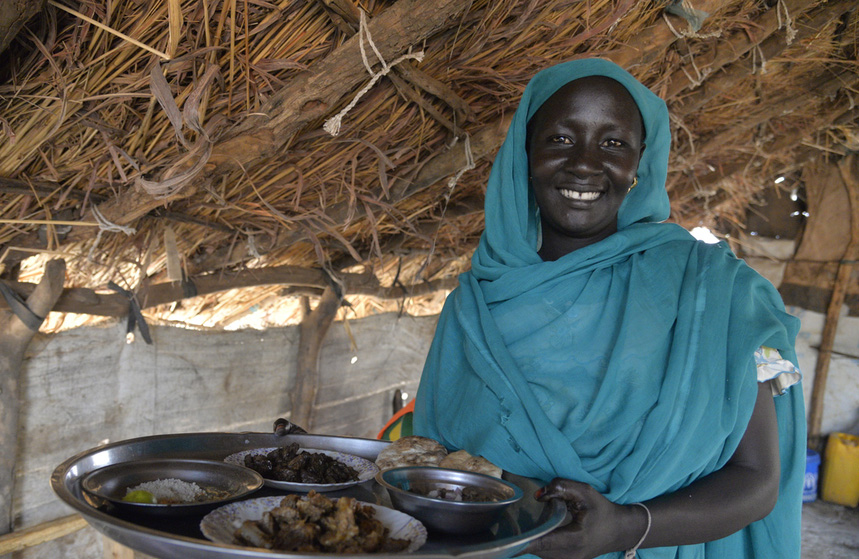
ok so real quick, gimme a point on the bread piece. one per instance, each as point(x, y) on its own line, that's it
point(411, 451)
point(462, 460)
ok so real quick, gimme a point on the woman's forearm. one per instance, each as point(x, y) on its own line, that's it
point(712, 508)
point(743, 491)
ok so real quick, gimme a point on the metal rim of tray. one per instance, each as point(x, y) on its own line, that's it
point(66, 479)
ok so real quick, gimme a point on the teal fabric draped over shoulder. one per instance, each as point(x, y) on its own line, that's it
point(627, 364)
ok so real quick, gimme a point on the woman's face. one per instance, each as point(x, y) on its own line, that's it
point(584, 145)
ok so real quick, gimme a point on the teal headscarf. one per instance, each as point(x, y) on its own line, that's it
point(627, 364)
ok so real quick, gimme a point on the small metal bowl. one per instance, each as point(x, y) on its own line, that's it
point(222, 482)
point(407, 488)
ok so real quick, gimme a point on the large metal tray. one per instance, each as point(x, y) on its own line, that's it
point(169, 538)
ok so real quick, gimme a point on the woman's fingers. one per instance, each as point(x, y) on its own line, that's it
point(565, 489)
point(595, 525)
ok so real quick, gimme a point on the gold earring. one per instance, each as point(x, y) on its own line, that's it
point(634, 182)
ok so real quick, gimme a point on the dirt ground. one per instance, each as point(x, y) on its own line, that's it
point(829, 531)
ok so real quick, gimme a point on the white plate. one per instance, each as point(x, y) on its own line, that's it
point(366, 469)
point(221, 524)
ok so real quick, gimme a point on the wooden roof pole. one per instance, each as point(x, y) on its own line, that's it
point(14, 15)
point(88, 301)
point(15, 335)
point(314, 326)
point(650, 45)
point(849, 169)
point(772, 43)
point(313, 93)
point(730, 49)
point(346, 15)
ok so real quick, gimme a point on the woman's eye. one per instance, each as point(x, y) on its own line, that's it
point(560, 140)
point(613, 143)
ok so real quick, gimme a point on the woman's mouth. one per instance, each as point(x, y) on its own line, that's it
point(576, 195)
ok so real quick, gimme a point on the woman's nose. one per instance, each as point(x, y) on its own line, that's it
point(583, 159)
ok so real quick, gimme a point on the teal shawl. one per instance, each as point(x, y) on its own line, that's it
point(627, 364)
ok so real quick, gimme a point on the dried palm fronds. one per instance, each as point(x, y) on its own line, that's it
point(122, 107)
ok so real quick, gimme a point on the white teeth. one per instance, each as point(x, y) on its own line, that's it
point(574, 195)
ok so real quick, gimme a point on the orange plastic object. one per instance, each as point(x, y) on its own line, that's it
point(393, 429)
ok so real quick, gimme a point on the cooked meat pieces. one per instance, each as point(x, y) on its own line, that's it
point(251, 533)
point(314, 507)
point(292, 465)
point(260, 463)
point(466, 493)
point(339, 527)
point(316, 523)
point(298, 536)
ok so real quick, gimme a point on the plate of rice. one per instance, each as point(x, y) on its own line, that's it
point(169, 486)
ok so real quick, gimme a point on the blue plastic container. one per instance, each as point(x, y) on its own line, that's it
point(812, 466)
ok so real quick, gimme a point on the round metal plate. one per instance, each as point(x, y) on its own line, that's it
point(366, 469)
point(221, 482)
point(220, 524)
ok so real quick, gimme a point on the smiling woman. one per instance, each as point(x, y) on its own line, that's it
point(614, 356)
point(584, 144)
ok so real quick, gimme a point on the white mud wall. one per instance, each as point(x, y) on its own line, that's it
point(841, 398)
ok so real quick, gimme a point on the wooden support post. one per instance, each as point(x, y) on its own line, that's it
point(312, 332)
point(15, 335)
point(45, 532)
point(850, 175)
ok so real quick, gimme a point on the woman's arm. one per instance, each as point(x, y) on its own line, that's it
point(743, 491)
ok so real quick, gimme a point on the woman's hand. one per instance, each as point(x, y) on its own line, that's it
point(598, 526)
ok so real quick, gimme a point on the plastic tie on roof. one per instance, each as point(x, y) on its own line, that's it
point(135, 316)
point(18, 306)
point(693, 16)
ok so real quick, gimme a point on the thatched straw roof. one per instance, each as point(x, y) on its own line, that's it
point(146, 139)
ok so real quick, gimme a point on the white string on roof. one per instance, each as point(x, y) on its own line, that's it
point(252, 246)
point(332, 125)
point(787, 22)
point(759, 61)
point(469, 164)
point(451, 183)
point(105, 225)
point(698, 79)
